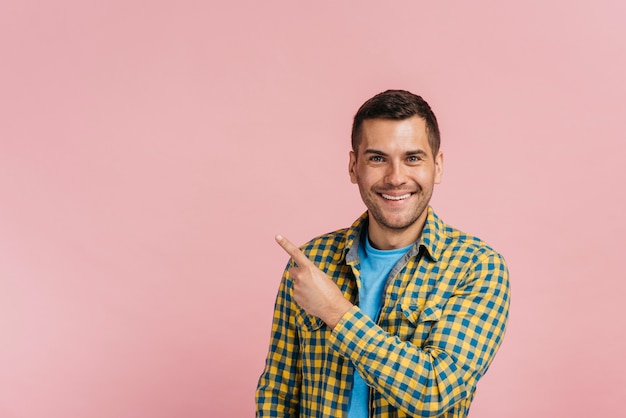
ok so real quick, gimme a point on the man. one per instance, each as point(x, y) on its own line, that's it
point(398, 315)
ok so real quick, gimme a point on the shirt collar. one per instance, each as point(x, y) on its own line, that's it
point(433, 235)
point(431, 238)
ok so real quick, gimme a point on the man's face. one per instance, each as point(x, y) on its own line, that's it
point(396, 173)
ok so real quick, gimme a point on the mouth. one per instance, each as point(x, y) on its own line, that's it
point(396, 198)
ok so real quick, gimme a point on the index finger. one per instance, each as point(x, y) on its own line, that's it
point(291, 249)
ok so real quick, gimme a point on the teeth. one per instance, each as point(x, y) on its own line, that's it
point(404, 196)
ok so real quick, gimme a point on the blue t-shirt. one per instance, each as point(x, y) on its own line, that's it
point(375, 267)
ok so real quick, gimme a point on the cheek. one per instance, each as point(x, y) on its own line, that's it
point(427, 177)
point(365, 179)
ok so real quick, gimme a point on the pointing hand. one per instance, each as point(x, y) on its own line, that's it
point(312, 289)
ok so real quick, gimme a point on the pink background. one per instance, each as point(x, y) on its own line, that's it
point(149, 151)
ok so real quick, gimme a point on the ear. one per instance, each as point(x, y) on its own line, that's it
point(438, 167)
point(352, 167)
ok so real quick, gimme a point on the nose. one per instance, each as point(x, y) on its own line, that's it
point(395, 175)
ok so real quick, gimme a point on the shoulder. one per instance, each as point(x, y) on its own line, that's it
point(329, 244)
point(458, 239)
point(444, 241)
point(334, 245)
point(469, 261)
point(458, 246)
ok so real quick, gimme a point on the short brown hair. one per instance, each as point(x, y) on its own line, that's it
point(396, 105)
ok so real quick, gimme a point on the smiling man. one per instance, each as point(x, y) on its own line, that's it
point(398, 315)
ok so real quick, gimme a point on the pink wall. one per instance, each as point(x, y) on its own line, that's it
point(149, 151)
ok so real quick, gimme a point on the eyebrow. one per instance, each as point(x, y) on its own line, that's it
point(384, 154)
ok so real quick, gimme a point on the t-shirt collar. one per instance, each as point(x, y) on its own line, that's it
point(430, 239)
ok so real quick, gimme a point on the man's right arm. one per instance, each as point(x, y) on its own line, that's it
point(278, 390)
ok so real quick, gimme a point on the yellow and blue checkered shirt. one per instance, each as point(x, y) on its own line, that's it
point(443, 316)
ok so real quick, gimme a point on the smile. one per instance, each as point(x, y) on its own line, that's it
point(389, 197)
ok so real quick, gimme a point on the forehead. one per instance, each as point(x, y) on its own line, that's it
point(390, 135)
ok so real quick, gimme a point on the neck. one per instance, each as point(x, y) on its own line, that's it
point(383, 238)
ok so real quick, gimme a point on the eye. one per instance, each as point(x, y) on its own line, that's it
point(414, 159)
point(377, 159)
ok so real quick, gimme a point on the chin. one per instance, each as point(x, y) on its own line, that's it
point(397, 224)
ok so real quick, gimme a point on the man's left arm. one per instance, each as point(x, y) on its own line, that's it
point(430, 378)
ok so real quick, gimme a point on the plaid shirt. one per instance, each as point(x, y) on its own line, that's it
point(442, 320)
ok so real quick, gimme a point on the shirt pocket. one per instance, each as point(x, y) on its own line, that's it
point(311, 334)
point(417, 322)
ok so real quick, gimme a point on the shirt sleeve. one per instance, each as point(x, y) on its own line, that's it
point(429, 379)
point(278, 389)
